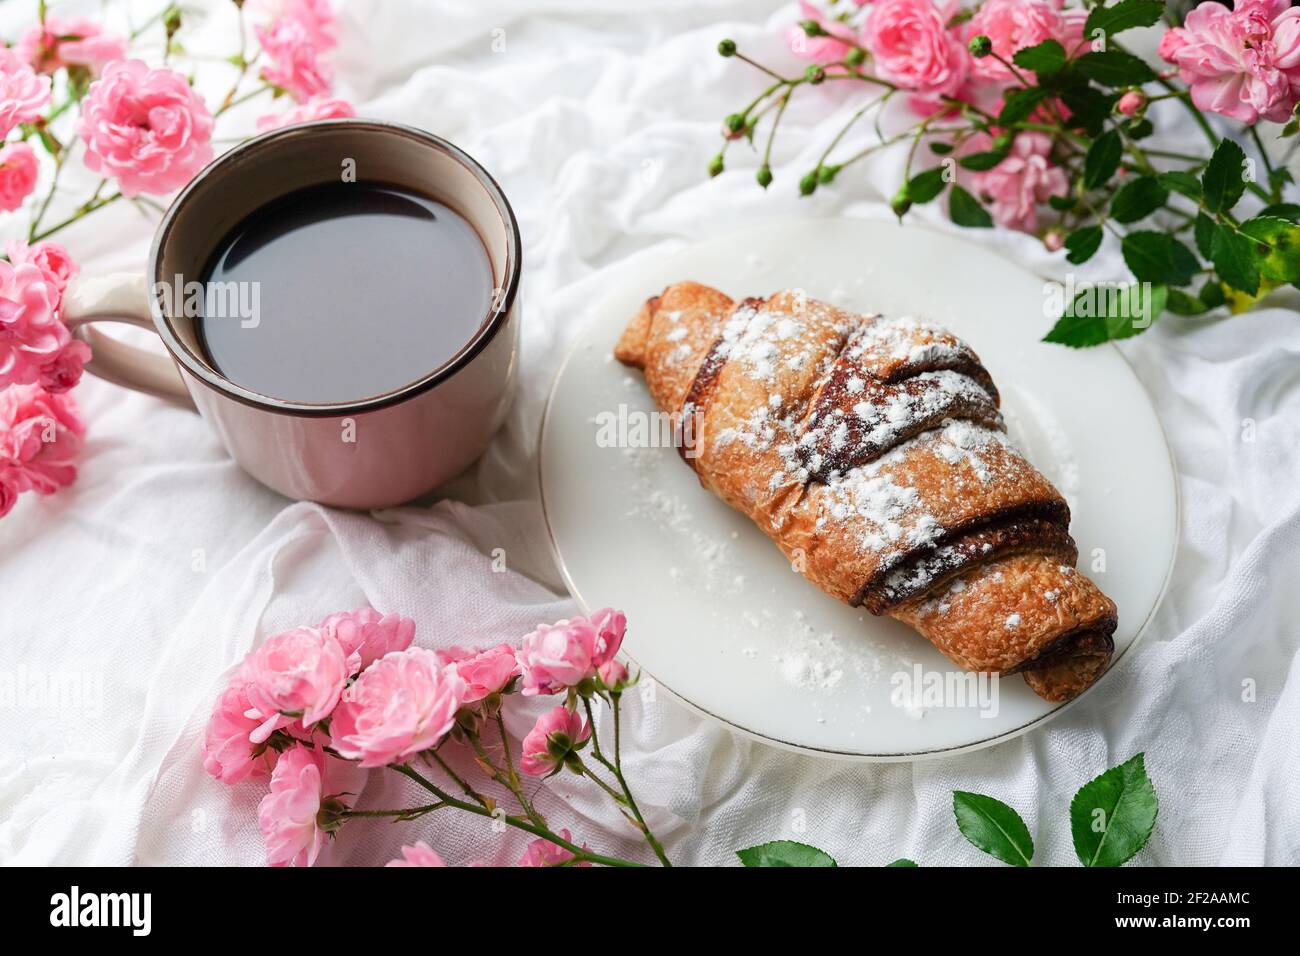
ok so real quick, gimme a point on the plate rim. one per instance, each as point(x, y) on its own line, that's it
point(827, 752)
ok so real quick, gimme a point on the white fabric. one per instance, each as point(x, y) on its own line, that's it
point(164, 564)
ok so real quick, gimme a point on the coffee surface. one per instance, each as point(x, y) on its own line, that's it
point(359, 290)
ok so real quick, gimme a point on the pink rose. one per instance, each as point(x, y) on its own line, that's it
point(914, 49)
point(73, 41)
point(365, 635)
point(610, 627)
point(8, 492)
point(821, 49)
point(66, 369)
point(294, 62)
point(399, 706)
point(612, 674)
point(287, 816)
point(145, 128)
point(1131, 103)
point(40, 438)
point(1173, 41)
point(315, 17)
point(297, 675)
point(19, 168)
point(23, 94)
point(418, 854)
point(542, 852)
point(227, 751)
point(31, 335)
point(1015, 25)
point(484, 672)
point(316, 108)
point(557, 733)
point(52, 259)
point(1242, 63)
point(1071, 36)
point(558, 656)
point(1020, 182)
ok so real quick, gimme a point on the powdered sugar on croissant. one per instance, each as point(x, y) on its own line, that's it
point(872, 451)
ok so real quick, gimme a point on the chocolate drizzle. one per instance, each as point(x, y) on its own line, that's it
point(1041, 528)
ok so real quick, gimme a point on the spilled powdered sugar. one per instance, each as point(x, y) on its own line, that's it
point(815, 660)
point(711, 561)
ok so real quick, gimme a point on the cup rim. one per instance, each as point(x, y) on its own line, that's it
point(496, 318)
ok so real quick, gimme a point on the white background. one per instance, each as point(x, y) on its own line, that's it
point(597, 118)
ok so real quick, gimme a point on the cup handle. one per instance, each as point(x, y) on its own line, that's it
point(121, 297)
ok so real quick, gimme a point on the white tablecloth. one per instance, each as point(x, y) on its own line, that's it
point(150, 577)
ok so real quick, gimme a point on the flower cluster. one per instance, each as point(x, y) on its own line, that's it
point(145, 128)
point(295, 38)
point(72, 43)
point(40, 428)
point(146, 131)
point(352, 690)
point(1039, 120)
point(40, 436)
point(1242, 62)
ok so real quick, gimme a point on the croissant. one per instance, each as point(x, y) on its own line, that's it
point(873, 452)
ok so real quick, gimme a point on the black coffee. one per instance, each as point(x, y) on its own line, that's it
point(359, 289)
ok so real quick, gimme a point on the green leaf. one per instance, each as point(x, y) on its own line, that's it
point(940, 148)
point(1293, 124)
point(1137, 199)
point(1233, 256)
point(901, 862)
point(1082, 244)
point(1181, 182)
point(1112, 816)
point(993, 827)
point(1019, 104)
point(1115, 68)
point(1223, 180)
point(1102, 160)
point(982, 161)
point(1104, 312)
point(1089, 107)
point(1203, 232)
point(1283, 210)
point(965, 210)
point(46, 139)
point(1123, 16)
point(784, 853)
point(1062, 203)
point(1136, 129)
point(1159, 257)
point(1277, 247)
point(1047, 57)
point(1211, 294)
point(923, 187)
point(1180, 303)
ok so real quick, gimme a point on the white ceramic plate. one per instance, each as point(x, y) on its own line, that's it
point(717, 617)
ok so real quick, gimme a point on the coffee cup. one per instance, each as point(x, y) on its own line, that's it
point(367, 451)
